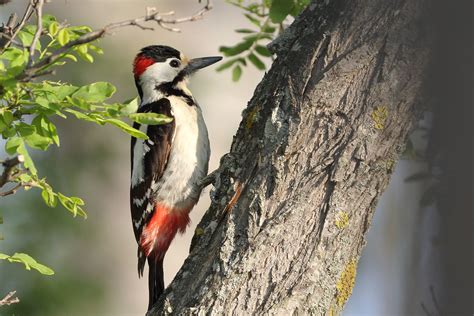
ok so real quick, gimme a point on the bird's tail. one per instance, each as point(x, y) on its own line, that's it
point(156, 284)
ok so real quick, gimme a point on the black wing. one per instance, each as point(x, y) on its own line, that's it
point(155, 160)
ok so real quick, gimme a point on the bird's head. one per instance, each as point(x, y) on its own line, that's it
point(157, 67)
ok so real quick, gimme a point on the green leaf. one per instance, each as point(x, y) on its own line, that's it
point(299, 6)
point(71, 57)
point(237, 49)
point(28, 261)
point(25, 129)
point(245, 31)
point(127, 128)
point(16, 57)
point(25, 36)
point(9, 132)
point(47, 20)
point(11, 53)
point(256, 61)
point(262, 50)
point(53, 133)
point(72, 204)
point(53, 28)
point(63, 36)
point(150, 118)
point(49, 197)
point(45, 128)
point(129, 107)
point(96, 49)
point(268, 29)
point(24, 178)
point(267, 3)
point(28, 163)
point(3, 126)
point(82, 49)
point(63, 90)
point(252, 19)
point(80, 29)
point(236, 73)
point(227, 64)
point(7, 117)
point(256, 37)
point(95, 92)
point(280, 10)
point(82, 116)
point(87, 57)
point(80, 103)
point(12, 144)
point(38, 141)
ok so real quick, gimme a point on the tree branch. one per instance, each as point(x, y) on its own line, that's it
point(26, 16)
point(12, 190)
point(291, 207)
point(151, 16)
point(8, 167)
point(9, 299)
point(38, 7)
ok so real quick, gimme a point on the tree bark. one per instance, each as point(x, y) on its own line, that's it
point(294, 198)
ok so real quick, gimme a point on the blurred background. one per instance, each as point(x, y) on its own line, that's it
point(95, 259)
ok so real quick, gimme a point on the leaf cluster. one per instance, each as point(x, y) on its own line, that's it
point(28, 261)
point(267, 18)
point(30, 108)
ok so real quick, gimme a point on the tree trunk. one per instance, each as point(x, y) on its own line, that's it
point(294, 198)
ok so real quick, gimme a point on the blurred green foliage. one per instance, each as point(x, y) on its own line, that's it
point(28, 107)
point(267, 18)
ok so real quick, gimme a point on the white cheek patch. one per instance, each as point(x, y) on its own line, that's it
point(154, 75)
point(159, 72)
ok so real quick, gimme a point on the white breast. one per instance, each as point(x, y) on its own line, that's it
point(188, 160)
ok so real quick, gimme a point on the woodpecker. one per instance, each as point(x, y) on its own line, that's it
point(167, 167)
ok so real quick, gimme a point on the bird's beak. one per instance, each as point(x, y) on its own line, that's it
point(198, 63)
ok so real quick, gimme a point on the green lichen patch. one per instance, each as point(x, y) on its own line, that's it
point(346, 283)
point(251, 118)
point(199, 231)
point(389, 165)
point(342, 220)
point(379, 116)
point(331, 311)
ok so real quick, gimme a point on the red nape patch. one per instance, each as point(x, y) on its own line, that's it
point(140, 64)
point(161, 229)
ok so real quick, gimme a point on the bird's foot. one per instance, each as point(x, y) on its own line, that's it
point(209, 179)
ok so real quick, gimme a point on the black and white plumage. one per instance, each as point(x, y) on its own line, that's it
point(166, 168)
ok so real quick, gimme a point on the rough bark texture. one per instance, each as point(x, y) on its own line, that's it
point(318, 141)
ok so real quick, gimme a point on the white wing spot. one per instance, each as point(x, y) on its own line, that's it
point(138, 154)
point(139, 202)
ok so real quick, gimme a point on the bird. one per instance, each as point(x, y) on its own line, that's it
point(166, 169)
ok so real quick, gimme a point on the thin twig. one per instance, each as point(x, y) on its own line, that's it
point(6, 30)
point(8, 168)
point(38, 6)
point(12, 190)
point(10, 40)
point(152, 15)
point(24, 19)
point(196, 16)
point(40, 74)
point(9, 299)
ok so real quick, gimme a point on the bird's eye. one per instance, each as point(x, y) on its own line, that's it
point(174, 63)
